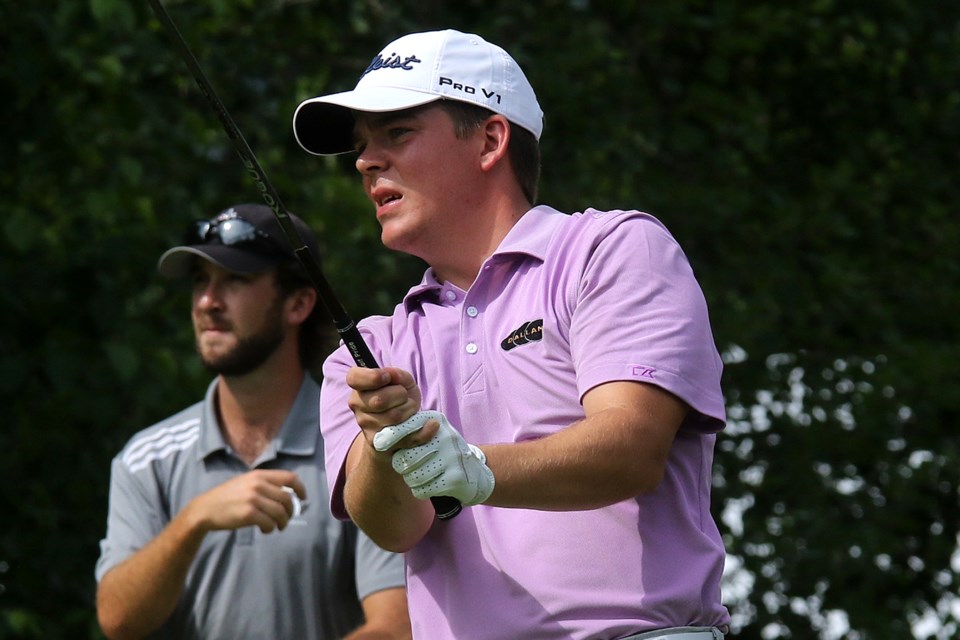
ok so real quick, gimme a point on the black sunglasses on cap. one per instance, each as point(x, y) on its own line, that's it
point(229, 229)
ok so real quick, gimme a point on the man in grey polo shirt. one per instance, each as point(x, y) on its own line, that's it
point(218, 525)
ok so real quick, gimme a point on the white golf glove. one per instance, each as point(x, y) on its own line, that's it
point(445, 466)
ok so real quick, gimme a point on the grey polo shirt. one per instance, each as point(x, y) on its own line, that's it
point(303, 582)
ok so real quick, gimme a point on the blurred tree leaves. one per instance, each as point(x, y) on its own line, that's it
point(805, 157)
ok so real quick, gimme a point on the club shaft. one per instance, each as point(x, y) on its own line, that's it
point(446, 507)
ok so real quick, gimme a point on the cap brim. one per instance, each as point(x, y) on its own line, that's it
point(324, 126)
point(178, 261)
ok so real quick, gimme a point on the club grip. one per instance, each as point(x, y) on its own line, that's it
point(446, 506)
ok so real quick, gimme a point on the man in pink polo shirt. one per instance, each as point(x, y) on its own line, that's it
point(555, 373)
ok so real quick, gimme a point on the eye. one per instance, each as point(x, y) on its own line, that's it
point(198, 285)
point(396, 132)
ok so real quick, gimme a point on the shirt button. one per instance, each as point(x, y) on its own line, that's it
point(449, 295)
point(472, 312)
point(471, 348)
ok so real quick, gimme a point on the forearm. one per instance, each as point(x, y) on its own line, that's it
point(380, 503)
point(386, 617)
point(614, 454)
point(382, 630)
point(367, 633)
point(138, 595)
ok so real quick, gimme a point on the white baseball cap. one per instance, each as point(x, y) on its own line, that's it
point(416, 69)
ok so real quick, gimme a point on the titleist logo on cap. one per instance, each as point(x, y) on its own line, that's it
point(393, 61)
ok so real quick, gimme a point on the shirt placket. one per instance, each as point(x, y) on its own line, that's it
point(469, 342)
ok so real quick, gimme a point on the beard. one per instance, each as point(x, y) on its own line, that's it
point(249, 353)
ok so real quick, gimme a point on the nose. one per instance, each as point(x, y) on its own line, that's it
point(207, 296)
point(370, 161)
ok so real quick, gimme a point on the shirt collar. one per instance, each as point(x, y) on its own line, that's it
point(300, 432)
point(530, 236)
point(211, 439)
point(532, 233)
point(298, 436)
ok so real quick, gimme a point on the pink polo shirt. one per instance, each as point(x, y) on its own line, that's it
point(567, 302)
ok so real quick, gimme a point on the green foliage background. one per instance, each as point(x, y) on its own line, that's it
point(804, 155)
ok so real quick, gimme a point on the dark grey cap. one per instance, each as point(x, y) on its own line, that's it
point(268, 247)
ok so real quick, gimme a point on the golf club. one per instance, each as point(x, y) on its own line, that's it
point(446, 507)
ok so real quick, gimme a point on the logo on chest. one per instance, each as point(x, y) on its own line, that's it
point(526, 333)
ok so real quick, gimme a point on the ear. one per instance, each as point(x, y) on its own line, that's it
point(299, 304)
point(496, 137)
